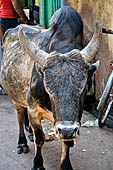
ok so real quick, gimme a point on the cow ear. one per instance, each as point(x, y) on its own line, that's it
point(89, 52)
point(36, 54)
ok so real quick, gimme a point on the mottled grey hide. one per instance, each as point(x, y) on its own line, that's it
point(17, 65)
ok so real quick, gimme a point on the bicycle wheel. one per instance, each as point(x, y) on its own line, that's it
point(106, 93)
point(103, 114)
point(104, 104)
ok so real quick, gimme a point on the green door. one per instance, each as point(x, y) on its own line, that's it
point(30, 4)
point(47, 9)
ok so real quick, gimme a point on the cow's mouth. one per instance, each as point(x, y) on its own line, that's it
point(67, 131)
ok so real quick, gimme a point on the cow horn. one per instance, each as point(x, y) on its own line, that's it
point(36, 54)
point(93, 46)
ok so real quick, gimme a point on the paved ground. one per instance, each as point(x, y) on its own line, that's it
point(93, 150)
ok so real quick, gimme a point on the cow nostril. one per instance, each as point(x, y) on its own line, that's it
point(76, 132)
point(59, 130)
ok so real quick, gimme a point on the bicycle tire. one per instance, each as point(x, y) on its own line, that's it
point(103, 114)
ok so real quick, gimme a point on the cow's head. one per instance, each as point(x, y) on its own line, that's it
point(65, 79)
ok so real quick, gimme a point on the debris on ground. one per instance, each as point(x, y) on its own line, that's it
point(90, 123)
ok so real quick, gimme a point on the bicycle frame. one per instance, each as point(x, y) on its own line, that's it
point(106, 93)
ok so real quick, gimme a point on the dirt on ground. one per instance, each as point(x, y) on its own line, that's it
point(93, 150)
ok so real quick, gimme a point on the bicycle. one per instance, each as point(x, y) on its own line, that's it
point(105, 105)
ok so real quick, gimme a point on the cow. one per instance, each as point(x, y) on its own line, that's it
point(45, 71)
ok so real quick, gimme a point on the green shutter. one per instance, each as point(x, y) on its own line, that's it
point(42, 12)
point(30, 3)
point(47, 9)
point(48, 12)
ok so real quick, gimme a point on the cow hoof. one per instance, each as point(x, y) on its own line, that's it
point(22, 148)
point(19, 150)
point(25, 149)
point(31, 137)
point(41, 168)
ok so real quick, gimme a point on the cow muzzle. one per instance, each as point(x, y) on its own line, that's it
point(67, 131)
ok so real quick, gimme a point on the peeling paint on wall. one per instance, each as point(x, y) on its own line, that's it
point(101, 10)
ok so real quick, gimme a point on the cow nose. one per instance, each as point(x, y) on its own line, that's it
point(67, 133)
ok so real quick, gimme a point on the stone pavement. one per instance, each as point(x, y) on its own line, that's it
point(93, 150)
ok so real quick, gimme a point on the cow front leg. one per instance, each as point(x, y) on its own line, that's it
point(48, 115)
point(65, 159)
point(28, 126)
point(22, 141)
point(39, 141)
point(39, 138)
